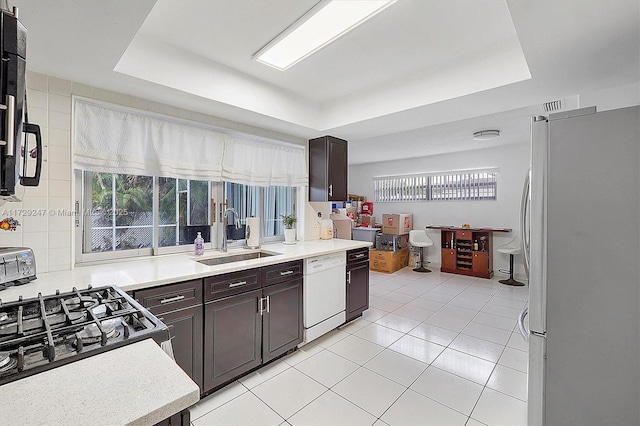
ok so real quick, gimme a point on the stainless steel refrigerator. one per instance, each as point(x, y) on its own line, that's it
point(582, 245)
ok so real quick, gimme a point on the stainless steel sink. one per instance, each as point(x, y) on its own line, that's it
point(236, 258)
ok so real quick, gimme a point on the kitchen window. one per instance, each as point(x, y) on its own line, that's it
point(119, 215)
point(455, 185)
point(146, 183)
point(268, 203)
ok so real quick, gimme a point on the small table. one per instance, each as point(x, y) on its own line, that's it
point(467, 251)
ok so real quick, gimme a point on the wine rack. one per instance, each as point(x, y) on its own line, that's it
point(467, 251)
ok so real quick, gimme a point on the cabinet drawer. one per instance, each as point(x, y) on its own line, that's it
point(230, 284)
point(281, 272)
point(358, 255)
point(171, 297)
point(463, 235)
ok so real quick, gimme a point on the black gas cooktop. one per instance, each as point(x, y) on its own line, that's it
point(48, 331)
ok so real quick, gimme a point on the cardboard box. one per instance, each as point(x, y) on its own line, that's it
point(397, 223)
point(388, 261)
point(367, 220)
point(342, 226)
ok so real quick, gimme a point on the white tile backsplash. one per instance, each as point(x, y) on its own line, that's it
point(81, 90)
point(156, 107)
point(36, 223)
point(59, 86)
point(38, 116)
point(42, 190)
point(140, 103)
point(29, 202)
point(59, 120)
point(37, 81)
point(59, 137)
point(59, 171)
point(122, 99)
point(103, 95)
point(36, 240)
point(60, 103)
point(59, 203)
point(60, 221)
point(59, 259)
point(59, 239)
point(37, 99)
point(10, 238)
point(59, 188)
point(42, 260)
point(61, 155)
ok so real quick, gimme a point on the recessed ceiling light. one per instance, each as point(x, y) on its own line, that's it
point(324, 23)
point(486, 135)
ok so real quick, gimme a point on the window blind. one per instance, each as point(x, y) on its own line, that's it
point(454, 185)
point(114, 139)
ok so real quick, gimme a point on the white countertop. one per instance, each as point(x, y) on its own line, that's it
point(153, 271)
point(137, 383)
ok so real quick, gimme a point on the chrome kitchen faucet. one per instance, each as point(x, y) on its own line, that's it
point(224, 224)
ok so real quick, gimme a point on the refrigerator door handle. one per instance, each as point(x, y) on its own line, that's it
point(521, 326)
point(524, 231)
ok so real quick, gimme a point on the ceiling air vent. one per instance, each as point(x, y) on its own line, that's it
point(552, 106)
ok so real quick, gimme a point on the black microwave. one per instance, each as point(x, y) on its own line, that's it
point(20, 141)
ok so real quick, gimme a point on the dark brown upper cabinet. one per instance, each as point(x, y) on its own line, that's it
point(327, 169)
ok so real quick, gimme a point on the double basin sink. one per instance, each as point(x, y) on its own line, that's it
point(221, 260)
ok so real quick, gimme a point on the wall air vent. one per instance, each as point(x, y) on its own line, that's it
point(552, 106)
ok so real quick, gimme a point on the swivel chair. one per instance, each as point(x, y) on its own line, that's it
point(512, 248)
point(419, 238)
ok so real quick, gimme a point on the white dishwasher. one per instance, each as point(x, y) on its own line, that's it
point(324, 293)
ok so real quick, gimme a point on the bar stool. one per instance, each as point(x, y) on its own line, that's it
point(512, 248)
point(419, 238)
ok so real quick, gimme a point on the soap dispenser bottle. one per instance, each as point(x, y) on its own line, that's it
point(199, 244)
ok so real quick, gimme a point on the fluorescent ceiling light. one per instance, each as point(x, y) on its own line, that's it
point(324, 23)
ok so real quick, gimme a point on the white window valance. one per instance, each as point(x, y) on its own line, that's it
point(259, 164)
point(114, 139)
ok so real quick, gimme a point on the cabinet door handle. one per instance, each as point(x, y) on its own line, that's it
point(348, 277)
point(171, 299)
point(260, 308)
point(330, 190)
point(238, 284)
point(358, 256)
point(286, 273)
point(268, 297)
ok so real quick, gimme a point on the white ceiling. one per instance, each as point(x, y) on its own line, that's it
point(424, 74)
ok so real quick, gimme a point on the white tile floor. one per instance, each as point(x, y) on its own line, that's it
point(433, 349)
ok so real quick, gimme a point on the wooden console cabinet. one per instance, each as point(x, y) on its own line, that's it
point(467, 251)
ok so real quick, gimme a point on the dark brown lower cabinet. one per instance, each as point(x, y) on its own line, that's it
point(186, 331)
point(179, 306)
point(182, 418)
point(282, 320)
point(232, 337)
point(357, 282)
point(260, 321)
